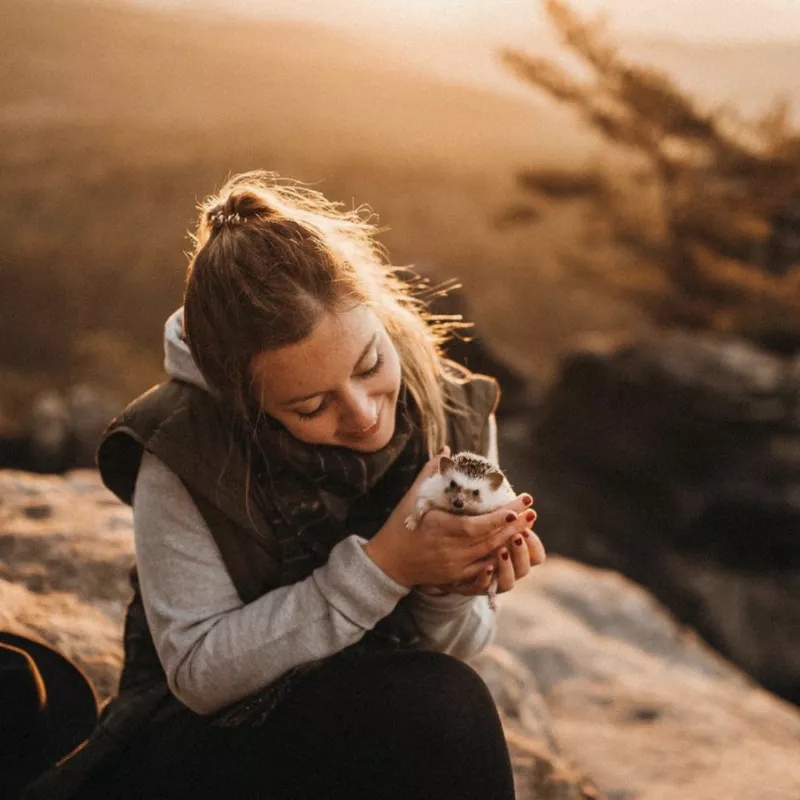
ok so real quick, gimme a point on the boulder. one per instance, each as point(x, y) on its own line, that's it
point(61, 431)
point(49, 432)
point(601, 692)
point(676, 461)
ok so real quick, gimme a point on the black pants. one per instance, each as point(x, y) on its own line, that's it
point(408, 724)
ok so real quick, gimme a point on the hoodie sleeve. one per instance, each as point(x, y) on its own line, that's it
point(459, 625)
point(215, 649)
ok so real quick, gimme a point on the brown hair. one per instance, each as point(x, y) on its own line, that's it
point(270, 255)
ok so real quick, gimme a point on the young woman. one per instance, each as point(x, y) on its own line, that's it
point(288, 637)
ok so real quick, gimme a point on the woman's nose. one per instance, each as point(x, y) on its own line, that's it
point(361, 413)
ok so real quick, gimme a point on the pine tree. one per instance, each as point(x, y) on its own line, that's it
point(725, 233)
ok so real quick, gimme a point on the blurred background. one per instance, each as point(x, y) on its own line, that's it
point(615, 186)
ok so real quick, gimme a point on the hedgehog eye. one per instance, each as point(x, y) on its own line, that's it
point(453, 485)
point(476, 493)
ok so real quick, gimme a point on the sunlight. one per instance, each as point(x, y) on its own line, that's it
point(702, 20)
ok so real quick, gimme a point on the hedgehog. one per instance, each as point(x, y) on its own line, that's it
point(466, 483)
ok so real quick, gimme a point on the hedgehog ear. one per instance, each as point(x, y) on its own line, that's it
point(445, 464)
point(495, 479)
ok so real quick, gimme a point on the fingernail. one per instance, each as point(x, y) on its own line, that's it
point(530, 516)
point(526, 534)
point(518, 541)
point(527, 499)
point(489, 570)
point(511, 516)
point(504, 555)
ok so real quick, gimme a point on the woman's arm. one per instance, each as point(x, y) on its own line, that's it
point(216, 650)
point(455, 624)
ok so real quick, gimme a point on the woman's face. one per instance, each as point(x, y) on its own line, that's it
point(338, 386)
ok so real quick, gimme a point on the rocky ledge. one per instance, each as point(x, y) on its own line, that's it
point(602, 693)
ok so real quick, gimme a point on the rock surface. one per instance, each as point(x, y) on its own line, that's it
point(602, 694)
point(676, 461)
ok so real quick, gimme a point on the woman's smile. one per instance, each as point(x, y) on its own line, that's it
point(367, 432)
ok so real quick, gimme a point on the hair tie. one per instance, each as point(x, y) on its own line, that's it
point(219, 219)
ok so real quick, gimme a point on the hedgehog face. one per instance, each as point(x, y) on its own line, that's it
point(461, 498)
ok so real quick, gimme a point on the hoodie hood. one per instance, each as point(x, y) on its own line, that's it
point(178, 360)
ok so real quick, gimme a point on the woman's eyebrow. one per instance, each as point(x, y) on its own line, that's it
point(317, 394)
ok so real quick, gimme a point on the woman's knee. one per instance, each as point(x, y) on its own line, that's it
point(437, 691)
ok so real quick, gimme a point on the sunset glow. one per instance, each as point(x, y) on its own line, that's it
point(701, 20)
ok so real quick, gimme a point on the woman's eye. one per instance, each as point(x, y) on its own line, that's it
point(311, 414)
point(476, 492)
point(375, 367)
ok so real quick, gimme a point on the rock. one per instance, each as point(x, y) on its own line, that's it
point(38, 511)
point(540, 769)
point(49, 433)
point(677, 462)
point(84, 546)
point(13, 442)
point(638, 702)
point(782, 251)
point(591, 676)
point(62, 431)
point(82, 631)
point(90, 411)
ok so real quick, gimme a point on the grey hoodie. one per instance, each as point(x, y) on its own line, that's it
point(215, 649)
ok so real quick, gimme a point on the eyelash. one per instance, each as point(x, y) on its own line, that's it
point(366, 374)
point(375, 367)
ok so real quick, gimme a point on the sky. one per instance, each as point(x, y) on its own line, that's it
point(698, 20)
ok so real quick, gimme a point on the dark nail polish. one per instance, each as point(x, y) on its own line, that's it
point(526, 534)
point(504, 555)
point(527, 499)
point(530, 516)
point(518, 541)
point(511, 516)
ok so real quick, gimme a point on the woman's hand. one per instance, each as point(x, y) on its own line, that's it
point(444, 548)
point(521, 554)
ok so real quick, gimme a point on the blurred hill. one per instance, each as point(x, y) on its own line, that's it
point(116, 119)
point(115, 63)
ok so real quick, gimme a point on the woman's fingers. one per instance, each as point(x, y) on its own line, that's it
point(483, 525)
point(477, 584)
point(434, 590)
point(519, 504)
point(495, 529)
point(485, 567)
point(520, 556)
point(536, 549)
point(505, 571)
point(480, 583)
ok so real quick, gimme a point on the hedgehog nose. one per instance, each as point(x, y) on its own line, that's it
point(458, 503)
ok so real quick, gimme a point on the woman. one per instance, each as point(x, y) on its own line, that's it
point(288, 637)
